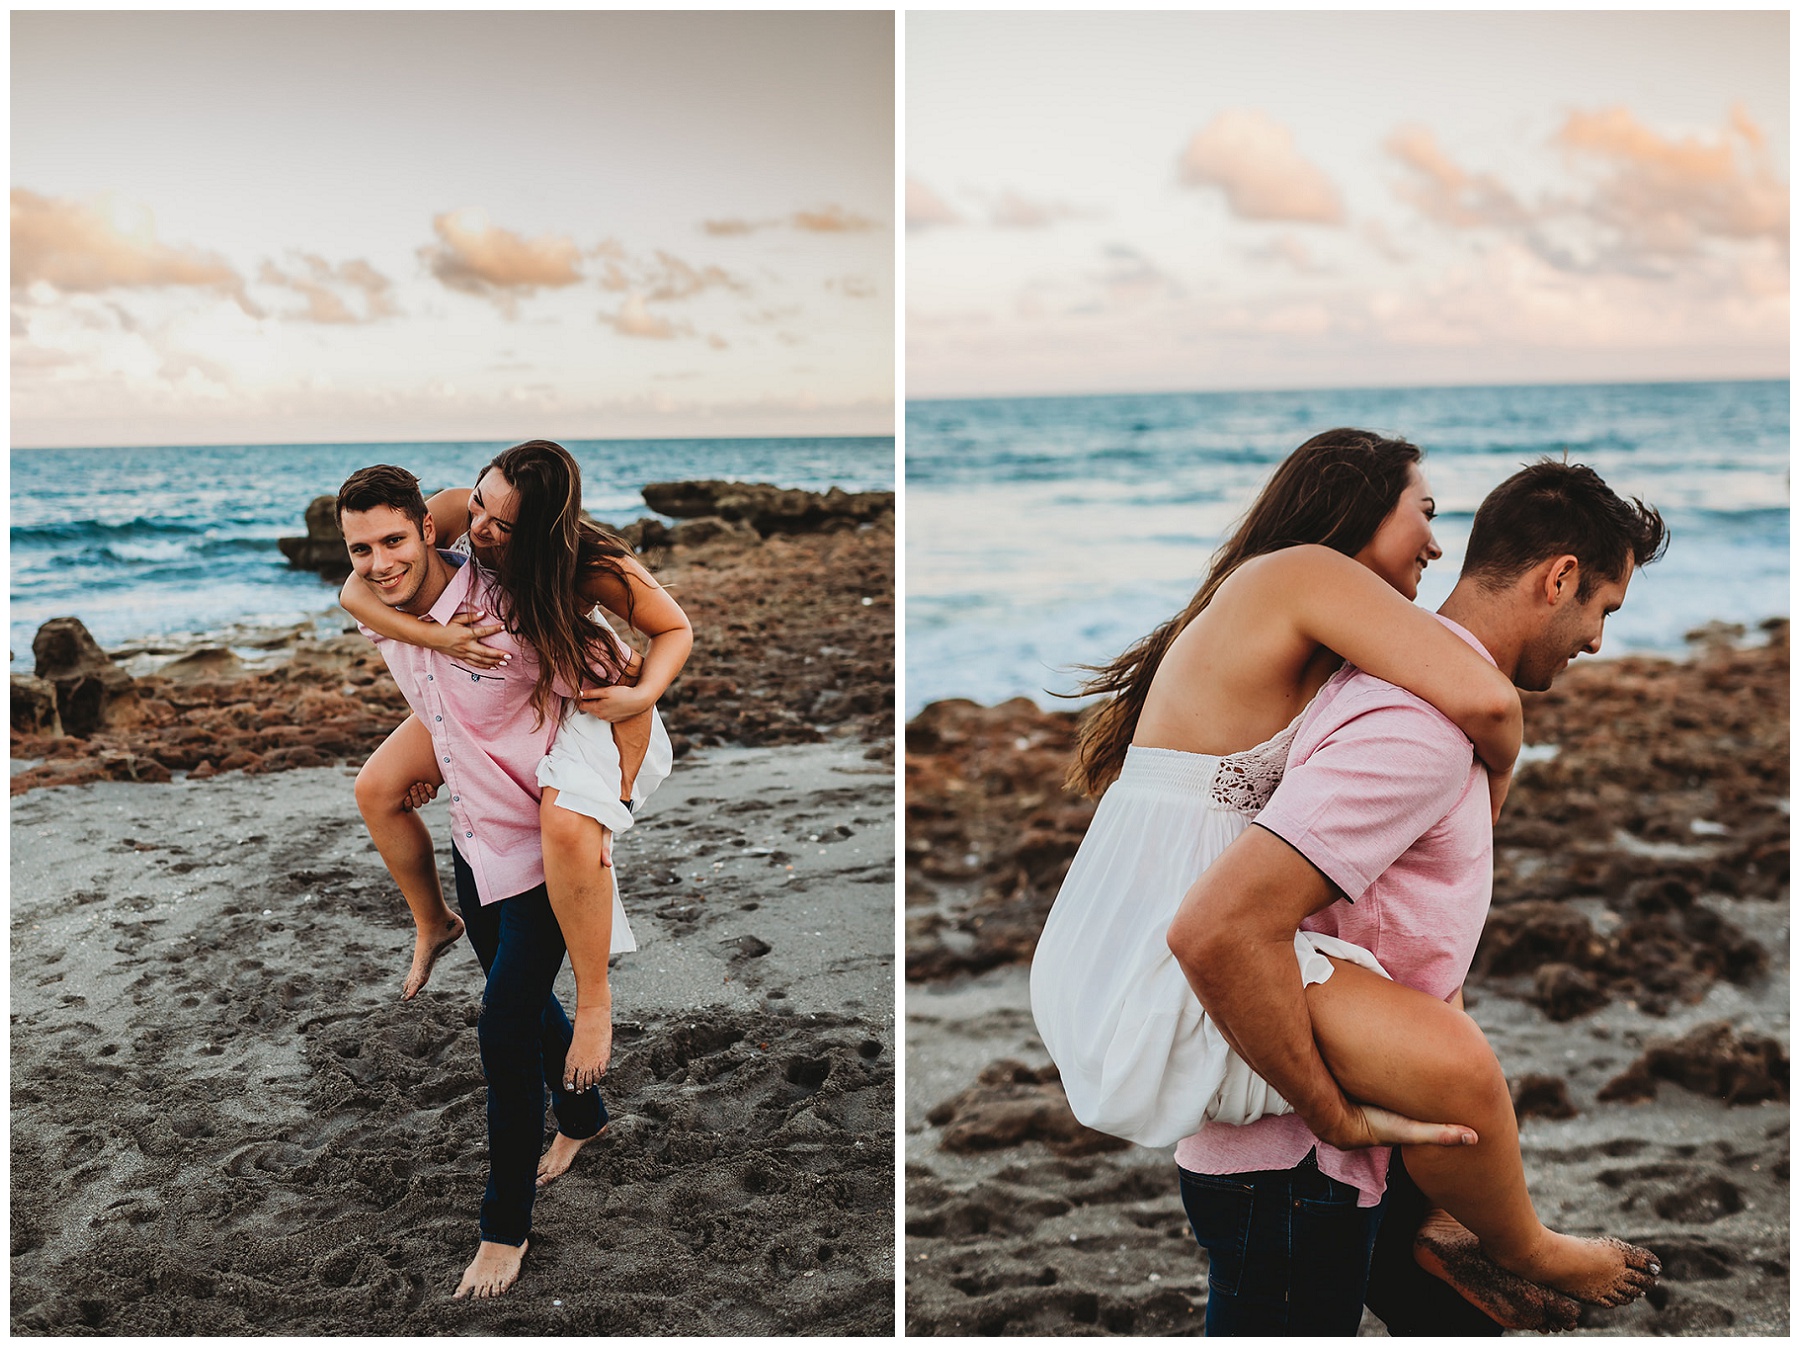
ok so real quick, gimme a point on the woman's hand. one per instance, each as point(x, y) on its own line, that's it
point(1364, 1125)
point(461, 637)
point(615, 703)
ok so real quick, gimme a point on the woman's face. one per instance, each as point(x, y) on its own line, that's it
point(1403, 546)
point(493, 506)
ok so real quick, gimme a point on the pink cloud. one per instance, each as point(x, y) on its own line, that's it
point(1445, 192)
point(496, 263)
point(925, 209)
point(72, 247)
point(1255, 162)
point(323, 285)
point(831, 220)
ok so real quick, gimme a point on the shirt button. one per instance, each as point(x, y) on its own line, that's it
point(468, 834)
point(456, 799)
point(431, 678)
point(439, 717)
point(446, 760)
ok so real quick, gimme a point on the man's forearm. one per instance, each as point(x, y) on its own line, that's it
point(1251, 988)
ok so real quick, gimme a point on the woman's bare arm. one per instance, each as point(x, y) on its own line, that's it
point(449, 512)
point(637, 597)
point(1347, 608)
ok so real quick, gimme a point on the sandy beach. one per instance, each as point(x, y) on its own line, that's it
point(224, 1120)
point(1640, 902)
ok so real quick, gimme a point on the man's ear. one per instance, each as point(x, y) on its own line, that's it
point(428, 529)
point(1561, 579)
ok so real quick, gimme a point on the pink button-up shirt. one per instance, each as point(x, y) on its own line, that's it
point(1386, 797)
point(487, 747)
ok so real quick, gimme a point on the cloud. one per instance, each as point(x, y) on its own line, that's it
point(925, 209)
point(1015, 211)
point(72, 247)
point(494, 263)
point(634, 319)
point(1131, 278)
point(1444, 192)
point(831, 220)
point(1666, 197)
point(856, 287)
point(724, 229)
point(665, 277)
point(1254, 161)
point(321, 287)
point(1288, 251)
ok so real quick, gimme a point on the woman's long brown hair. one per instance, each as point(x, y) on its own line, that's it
point(547, 553)
point(1334, 490)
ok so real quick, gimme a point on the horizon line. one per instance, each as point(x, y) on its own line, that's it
point(1347, 388)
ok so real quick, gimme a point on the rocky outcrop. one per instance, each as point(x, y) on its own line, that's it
point(1712, 1059)
point(92, 693)
point(769, 509)
point(322, 549)
point(34, 706)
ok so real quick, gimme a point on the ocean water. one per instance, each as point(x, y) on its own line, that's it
point(180, 541)
point(1042, 533)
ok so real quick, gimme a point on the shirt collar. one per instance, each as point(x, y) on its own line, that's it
point(454, 592)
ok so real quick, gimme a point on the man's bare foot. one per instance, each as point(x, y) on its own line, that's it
point(1453, 1255)
point(1601, 1271)
point(560, 1156)
point(590, 1050)
point(426, 949)
point(495, 1269)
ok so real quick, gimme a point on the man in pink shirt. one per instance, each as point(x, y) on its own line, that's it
point(488, 742)
point(1380, 833)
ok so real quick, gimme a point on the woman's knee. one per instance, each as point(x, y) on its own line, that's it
point(569, 833)
point(1460, 1067)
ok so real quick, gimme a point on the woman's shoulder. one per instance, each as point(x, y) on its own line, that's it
point(1281, 573)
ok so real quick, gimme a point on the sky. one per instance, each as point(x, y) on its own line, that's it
point(330, 227)
point(1158, 201)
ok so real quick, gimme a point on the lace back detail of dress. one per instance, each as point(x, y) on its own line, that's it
point(1246, 780)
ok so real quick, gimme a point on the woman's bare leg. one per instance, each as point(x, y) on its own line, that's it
point(631, 737)
point(406, 756)
point(1400, 1049)
point(581, 894)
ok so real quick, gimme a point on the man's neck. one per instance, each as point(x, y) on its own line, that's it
point(1488, 616)
point(437, 577)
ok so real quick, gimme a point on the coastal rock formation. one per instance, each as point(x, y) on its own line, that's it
point(34, 706)
point(322, 549)
point(769, 509)
point(1009, 1104)
point(1712, 1059)
point(92, 693)
point(794, 644)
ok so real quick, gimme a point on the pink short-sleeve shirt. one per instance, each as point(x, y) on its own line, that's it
point(484, 733)
point(1384, 794)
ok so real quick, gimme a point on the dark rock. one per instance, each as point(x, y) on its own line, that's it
point(711, 529)
point(1711, 1059)
point(92, 693)
point(1011, 1104)
point(322, 549)
point(34, 706)
point(769, 509)
point(1540, 1096)
point(1563, 992)
point(208, 662)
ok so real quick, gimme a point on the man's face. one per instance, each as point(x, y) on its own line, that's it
point(389, 551)
point(1571, 628)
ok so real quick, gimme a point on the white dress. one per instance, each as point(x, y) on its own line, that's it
point(583, 766)
point(1139, 1057)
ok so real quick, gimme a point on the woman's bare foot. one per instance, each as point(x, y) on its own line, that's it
point(426, 949)
point(1453, 1255)
point(560, 1156)
point(1602, 1271)
point(591, 1048)
point(495, 1269)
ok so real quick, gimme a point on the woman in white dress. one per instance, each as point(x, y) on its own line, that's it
point(558, 575)
point(1322, 570)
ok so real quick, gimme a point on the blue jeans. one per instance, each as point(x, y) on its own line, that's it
point(524, 1036)
point(1290, 1253)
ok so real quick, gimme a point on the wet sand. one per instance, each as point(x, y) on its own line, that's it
point(224, 1121)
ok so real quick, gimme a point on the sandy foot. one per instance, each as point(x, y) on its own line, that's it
point(1452, 1254)
point(495, 1269)
point(1602, 1271)
point(590, 1050)
point(560, 1156)
point(427, 947)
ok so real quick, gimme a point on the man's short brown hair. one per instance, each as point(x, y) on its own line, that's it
point(383, 484)
point(1553, 509)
